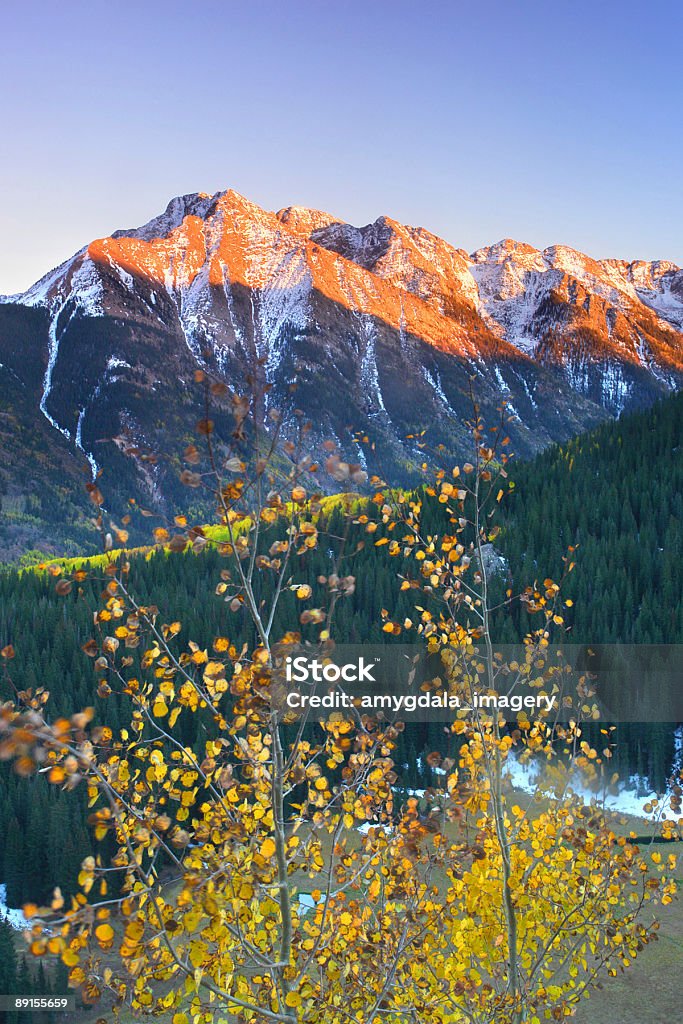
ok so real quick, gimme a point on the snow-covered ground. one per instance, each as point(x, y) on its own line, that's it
point(13, 917)
point(625, 798)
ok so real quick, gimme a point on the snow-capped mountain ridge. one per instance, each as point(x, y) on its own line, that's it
point(225, 237)
point(198, 232)
point(380, 327)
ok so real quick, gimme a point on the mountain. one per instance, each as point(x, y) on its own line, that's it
point(378, 330)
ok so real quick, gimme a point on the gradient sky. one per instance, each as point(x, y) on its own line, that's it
point(543, 121)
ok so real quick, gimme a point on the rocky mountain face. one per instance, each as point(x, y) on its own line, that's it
point(379, 331)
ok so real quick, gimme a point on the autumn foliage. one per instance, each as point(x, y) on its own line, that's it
point(279, 872)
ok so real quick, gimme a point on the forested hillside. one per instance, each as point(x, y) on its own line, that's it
point(616, 492)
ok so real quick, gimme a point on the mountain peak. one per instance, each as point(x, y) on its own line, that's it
point(506, 248)
point(194, 204)
point(304, 220)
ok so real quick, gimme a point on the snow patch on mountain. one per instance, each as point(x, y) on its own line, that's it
point(509, 297)
point(434, 381)
point(79, 444)
point(114, 363)
point(110, 376)
point(369, 372)
point(592, 274)
point(505, 389)
point(578, 374)
point(126, 279)
point(86, 288)
point(666, 303)
point(53, 352)
point(525, 385)
point(190, 324)
point(190, 295)
point(283, 305)
point(238, 332)
point(360, 452)
point(615, 388)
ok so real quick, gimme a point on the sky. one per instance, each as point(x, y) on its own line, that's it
point(545, 122)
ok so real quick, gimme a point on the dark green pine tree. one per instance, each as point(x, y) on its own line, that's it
point(9, 984)
point(8, 959)
point(14, 877)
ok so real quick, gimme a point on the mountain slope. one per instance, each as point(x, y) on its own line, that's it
point(379, 329)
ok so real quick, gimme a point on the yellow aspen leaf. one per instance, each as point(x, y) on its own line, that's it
point(134, 931)
point(214, 669)
point(104, 934)
point(197, 954)
point(293, 999)
point(267, 848)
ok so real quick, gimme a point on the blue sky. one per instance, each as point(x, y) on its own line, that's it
point(547, 122)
